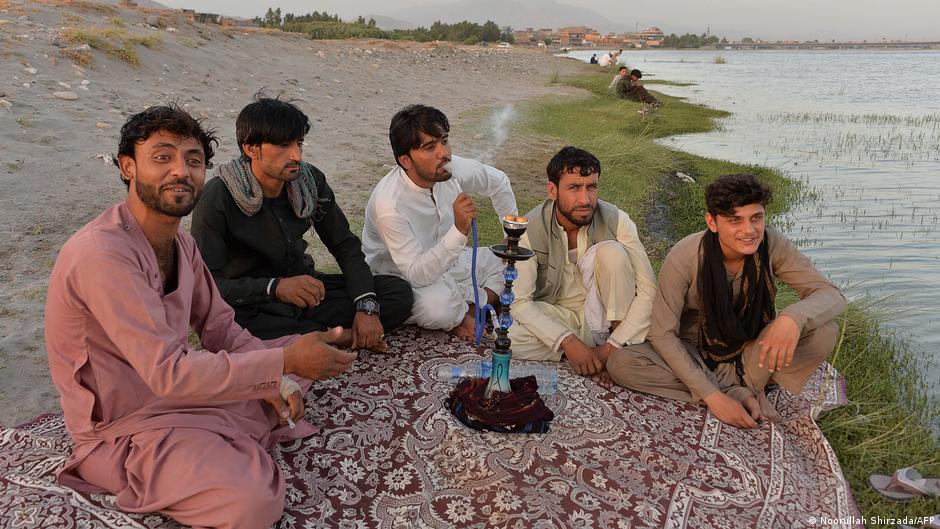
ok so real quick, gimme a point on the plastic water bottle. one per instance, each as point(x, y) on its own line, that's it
point(546, 376)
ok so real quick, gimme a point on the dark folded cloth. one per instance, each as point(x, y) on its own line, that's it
point(521, 411)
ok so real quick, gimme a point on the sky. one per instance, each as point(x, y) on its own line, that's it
point(766, 19)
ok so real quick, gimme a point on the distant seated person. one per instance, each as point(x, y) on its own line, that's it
point(418, 220)
point(716, 335)
point(160, 424)
point(632, 88)
point(594, 59)
point(605, 60)
point(250, 227)
point(621, 74)
point(589, 289)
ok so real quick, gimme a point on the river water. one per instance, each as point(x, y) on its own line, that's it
point(862, 129)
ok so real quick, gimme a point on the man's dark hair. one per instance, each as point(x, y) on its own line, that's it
point(569, 158)
point(622, 68)
point(170, 118)
point(637, 73)
point(270, 120)
point(733, 191)
point(409, 121)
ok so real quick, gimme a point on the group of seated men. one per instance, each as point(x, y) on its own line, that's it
point(628, 85)
point(167, 426)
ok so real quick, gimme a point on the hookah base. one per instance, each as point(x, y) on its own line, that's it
point(521, 411)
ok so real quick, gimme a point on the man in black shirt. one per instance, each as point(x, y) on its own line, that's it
point(632, 88)
point(249, 225)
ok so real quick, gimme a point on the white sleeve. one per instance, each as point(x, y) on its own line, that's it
point(420, 267)
point(481, 179)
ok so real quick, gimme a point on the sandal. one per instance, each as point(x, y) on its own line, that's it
point(905, 484)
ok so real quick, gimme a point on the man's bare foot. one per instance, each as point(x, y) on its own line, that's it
point(603, 379)
point(466, 330)
point(767, 410)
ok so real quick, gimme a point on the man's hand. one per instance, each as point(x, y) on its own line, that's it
point(778, 343)
point(312, 356)
point(367, 332)
point(602, 351)
point(300, 291)
point(729, 411)
point(294, 407)
point(464, 212)
point(580, 356)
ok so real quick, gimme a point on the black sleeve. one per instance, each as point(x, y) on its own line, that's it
point(210, 230)
point(331, 225)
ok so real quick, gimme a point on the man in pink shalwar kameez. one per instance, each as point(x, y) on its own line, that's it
point(163, 425)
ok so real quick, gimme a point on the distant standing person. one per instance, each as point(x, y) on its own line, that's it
point(632, 88)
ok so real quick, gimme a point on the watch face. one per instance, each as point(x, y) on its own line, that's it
point(369, 306)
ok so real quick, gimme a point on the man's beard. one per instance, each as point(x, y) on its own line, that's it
point(576, 221)
point(434, 176)
point(151, 197)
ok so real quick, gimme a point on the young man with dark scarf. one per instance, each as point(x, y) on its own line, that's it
point(250, 226)
point(715, 335)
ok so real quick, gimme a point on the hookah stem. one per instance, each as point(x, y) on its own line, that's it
point(479, 315)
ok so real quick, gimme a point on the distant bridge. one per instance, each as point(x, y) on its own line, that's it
point(831, 46)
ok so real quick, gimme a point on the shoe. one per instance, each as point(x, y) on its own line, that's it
point(905, 484)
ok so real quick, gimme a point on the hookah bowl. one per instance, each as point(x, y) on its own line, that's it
point(502, 352)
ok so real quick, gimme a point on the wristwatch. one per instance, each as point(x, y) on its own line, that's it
point(368, 304)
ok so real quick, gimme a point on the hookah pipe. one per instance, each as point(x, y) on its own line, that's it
point(480, 311)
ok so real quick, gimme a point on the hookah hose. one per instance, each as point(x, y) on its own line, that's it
point(480, 311)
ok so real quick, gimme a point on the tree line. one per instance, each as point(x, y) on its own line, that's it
point(323, 25)
point(691, 40)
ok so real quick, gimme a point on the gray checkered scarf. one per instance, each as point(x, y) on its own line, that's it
point(246, 190)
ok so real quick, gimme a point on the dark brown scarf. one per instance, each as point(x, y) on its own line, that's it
point(521, 411)
point(727, 324)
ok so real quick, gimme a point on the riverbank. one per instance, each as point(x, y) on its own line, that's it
point(887, 424)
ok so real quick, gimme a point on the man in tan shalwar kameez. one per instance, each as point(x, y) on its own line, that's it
point(589, 289)
point(724, 351)
point(163, 425)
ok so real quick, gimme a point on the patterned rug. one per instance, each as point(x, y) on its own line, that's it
point(391, 455)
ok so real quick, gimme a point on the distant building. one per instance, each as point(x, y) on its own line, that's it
point(127, 3)
point(201, 18)
point(584, 36)
point(208, 18)
point(573, 35)
point(651, 37)
point(532, 36)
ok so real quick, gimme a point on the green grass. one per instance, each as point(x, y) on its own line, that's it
point(666, 82)
point(887, 426)
point(114, 40)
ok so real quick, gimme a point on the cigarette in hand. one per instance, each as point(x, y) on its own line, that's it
point(290, 422)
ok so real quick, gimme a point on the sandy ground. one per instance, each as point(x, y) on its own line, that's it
point(59, 120)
